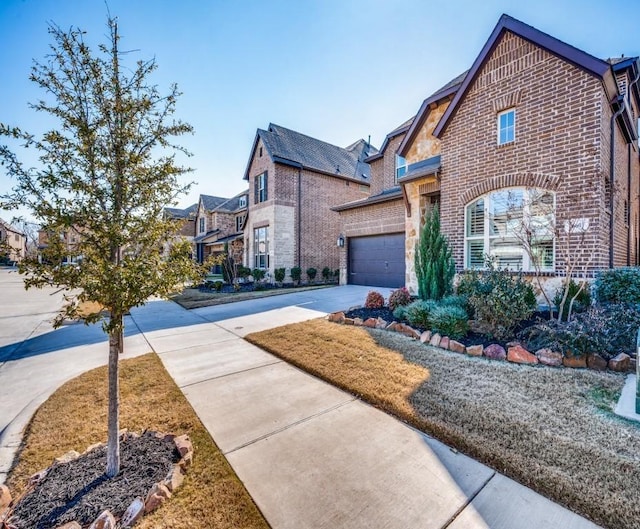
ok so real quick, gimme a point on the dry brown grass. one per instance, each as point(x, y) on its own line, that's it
point(550, 429)
point(74, 417)
point(88, 308)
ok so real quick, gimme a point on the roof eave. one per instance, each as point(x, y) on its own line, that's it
point(369, 201)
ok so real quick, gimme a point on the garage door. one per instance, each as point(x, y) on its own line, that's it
point(377, 261)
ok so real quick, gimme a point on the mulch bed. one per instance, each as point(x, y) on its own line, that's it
point(79, 490)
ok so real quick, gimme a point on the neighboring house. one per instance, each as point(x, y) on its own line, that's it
point(69, 239)
point(537, 137)
point(13, 243)
point(294, 181)
point(220, 221)
point(187, 219)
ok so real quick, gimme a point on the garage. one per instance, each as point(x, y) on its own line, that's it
point(377, 261)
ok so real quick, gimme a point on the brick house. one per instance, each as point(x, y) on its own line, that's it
point(13, 241)
point(294, 181)
point(537, 138)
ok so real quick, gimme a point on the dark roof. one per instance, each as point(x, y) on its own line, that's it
point(393, 193)
point(421, 169)
point(227, 205)
point(228, 238)
point(289, 147)
point(400, 129)
point(177, 213)
point(566, 52)
point(210, 202)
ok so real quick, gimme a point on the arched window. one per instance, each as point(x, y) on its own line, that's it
point(515, 226)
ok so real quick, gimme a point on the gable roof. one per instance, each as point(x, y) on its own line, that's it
point(292, 148)
point(177, 213)
point(584, 61)
point(10, 228)
point(400, 129)
point(210, 202)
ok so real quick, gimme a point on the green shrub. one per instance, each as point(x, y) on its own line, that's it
point(279, 274)
point(500, 299)
point(418, 313)
point(620, 285)
point(374, 300)
point(311, 273)
point(398, 298)
point(582, 302)
point(449, 320)
point(296, 274)
point(258, 274)
point(326, 273)
point(218, 285)
point(244, 272)
point(454, 301)
point(400, 313)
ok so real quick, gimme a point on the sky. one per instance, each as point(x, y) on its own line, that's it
point(337, 70)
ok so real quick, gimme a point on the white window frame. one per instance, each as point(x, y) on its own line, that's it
point(242, 201)
point(507, 127)
point(401, 167)
point(262, 187)
point(486, 236)
point(202, 225)
point(257, 239)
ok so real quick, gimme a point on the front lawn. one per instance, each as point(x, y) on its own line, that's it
point(550, 429)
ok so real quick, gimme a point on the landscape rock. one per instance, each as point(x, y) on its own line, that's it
point(348, 321)
point(358, 322)
point(134, 512)
point(183, 445)
point(174, 478)
point(444, 342)
point(474, 350)
point(381, 324)
point(157, 495)
point(336, 317)
point(93, 447)
point(407, 331)
point(435, 340)
point(575, 361)
point(425, 336)
point(494, 351)
point(519, 355)
point(105, 521)
point(370, 322)
point(5, 497)
point(456, 347)
point(548, 357)
point(38, 477)
point(392, 326)
point(70, 525)
point(620, 362)
point(596, 362)
point(69, 456)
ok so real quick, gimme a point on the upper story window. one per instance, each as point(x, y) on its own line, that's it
point(239, 223)
point(507, 126)
point(242, 201)
point(401, 167)
point(514, 226)
point(201, 227)
point(261, 188)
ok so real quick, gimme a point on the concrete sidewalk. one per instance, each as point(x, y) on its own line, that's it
point(313, 456)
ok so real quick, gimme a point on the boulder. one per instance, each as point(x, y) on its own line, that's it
point(407, 331)
point(474, 350)
point(370, 322)
point(134, 512)
point(425, 336)
point(183, 445)
point(381, 324)
point(620, 363)
point(174, 478)
point(435, 340)
point(575, 361)
point(69, 456)
point(392, 326)
point(157, 495)
point(444, 342)
point(358, 322)
point(519, 355)
point(494, 351)
point(548, 357)
point(336, 317)
point(70, 525)
point(5, 497)
point(38, 477)
point(105, 521)
point(348, 321)
point(596, 362)
point(456, 347)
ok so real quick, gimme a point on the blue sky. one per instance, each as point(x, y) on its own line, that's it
point(338, 70)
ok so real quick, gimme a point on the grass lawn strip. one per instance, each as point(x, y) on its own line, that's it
point(550, 429)
point(192, 298)
point(74, 417)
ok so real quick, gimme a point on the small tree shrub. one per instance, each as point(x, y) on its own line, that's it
point(581, 303)
point(620, 285)
point(311, 274)
point(244, 272)
point(400, 312)
point(279, 274)
point(296, 274)
point(500, 300)
point(399, 298)
point(258, 274)
point(218, 285)
point(374, 300)
point(449, 320)
point(418, 313)
point(326, 273)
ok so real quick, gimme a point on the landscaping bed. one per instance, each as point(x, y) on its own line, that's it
point(550, 429)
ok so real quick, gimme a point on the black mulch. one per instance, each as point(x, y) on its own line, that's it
point(80, 491)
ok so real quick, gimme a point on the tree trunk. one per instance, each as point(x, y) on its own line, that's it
point(113, 421)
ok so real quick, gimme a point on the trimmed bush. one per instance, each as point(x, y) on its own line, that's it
point(620, 285)
point(244, 272)
point(582, 302)
point(400, 313)
point(218, 285)
point(311, 273)
point(449, 320)
point(258, 274)
point(279, 274)
point(326, 273)
point(374, 300)
point(454, 301)
point(296, 274)
point(418, 313)
point(399, 298)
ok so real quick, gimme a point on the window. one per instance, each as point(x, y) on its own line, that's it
point(261, 248)
point(242, 201)
point(507, 126)
point(239, 222)
point(401, 167)
point(514, 226)
point(201, 229)
point(261, 188)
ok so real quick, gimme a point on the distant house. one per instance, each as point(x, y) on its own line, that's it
point(294, 181)
point(13, 243)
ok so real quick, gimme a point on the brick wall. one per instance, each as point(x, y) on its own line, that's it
point(558, 142)
point(383, 170)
